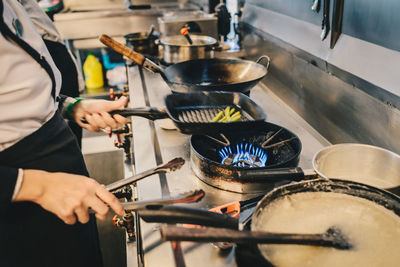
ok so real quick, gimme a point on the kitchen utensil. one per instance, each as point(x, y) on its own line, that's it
point(333, 237)
point(337, 18)
point(325, 20)
point(217, 74)
point(176, 48)
point(188, 197)
point(207, 163)
point(151, 31)
point(193, 112)
point(163, 168)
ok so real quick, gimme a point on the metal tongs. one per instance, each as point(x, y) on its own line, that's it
point(188, 197)
point(170, 166)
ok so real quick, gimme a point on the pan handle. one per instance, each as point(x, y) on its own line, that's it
point(150, 113)
point(177, 214)
point(261, 60)
point(272, 175)
point(129, 53)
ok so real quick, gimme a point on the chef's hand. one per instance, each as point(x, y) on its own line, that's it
point(95, 113)
point(68, 196)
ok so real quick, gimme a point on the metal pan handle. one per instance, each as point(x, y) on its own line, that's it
point(264, 60)
point(272, 175)
point(150, 113)
point(176, 214)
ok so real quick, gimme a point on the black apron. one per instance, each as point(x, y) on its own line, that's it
point(32, 236)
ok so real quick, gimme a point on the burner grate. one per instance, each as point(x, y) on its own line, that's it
point(243, 155)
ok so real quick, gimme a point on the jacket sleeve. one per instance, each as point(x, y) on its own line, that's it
point(8, 178)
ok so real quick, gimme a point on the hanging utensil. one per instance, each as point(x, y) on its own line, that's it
point(325, 20)
point(336, 21)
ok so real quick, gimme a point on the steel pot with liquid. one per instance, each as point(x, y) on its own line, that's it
point(176, 48)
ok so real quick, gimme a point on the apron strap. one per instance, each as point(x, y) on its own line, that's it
point(8, 34)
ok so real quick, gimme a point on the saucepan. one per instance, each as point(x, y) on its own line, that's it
point(175, 48)
point(361, 163)
point(212, 74)
point(309, 213)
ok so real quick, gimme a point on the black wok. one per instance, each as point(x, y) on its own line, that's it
point(206, 162)
point(216, 74)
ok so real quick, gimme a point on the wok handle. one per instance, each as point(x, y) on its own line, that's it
point(122, 49)
point(272, 175)
point(331, 238)
point(177, 214)
point(261, 60)
point(150, 113)
point(129, 53)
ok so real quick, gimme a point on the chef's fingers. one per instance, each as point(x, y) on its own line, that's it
point(91, 123)
point(117, 104)
point(99, 121)
point(120, 119)
point(111, 200)
point(98, 207)
point(68, 218)
point(109, 120)
point(82, 213)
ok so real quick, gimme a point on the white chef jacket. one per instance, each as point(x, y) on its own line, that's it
point(26, 101)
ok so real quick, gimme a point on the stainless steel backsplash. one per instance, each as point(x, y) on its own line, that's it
point(342, 106)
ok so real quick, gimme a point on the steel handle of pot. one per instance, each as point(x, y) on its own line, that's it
point(177, 214)
point(150, 113)
point(261, 60)
point(272, 175)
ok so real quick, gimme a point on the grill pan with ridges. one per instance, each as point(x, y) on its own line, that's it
point(192, 112)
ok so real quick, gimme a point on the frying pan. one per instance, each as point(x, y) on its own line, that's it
point(215, 74)
point(380, 197)
point(193, 112)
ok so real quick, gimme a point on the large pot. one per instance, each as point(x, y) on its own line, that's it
point(176, 48)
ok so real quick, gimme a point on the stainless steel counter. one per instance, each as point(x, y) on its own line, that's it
point(153, 145)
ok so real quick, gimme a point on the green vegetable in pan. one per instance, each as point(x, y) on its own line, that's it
point(227, 115)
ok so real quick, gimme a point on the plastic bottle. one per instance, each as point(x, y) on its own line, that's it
point(93, 72)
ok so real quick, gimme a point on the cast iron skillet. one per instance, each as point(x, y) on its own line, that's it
point(206, 160)
point(193, 112)
point(216, 74)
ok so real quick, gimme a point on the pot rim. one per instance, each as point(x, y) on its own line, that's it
point(172, 41)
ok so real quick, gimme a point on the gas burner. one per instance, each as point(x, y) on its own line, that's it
point(243, 155)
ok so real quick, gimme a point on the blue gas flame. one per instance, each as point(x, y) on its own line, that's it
point(243, 155)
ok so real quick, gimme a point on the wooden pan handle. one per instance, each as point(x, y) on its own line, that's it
point(122, 49)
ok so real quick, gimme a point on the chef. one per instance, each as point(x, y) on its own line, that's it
point(45, 194)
